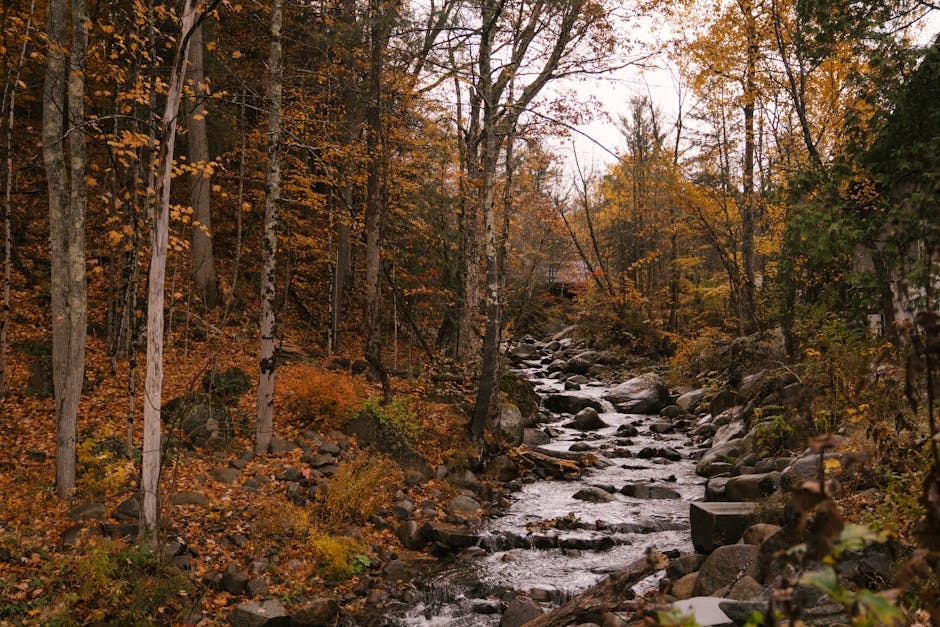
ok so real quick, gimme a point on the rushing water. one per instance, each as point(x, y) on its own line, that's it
point(466, 589)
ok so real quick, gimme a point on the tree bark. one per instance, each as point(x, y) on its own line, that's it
point(153, 380)
point(264, 427)
point(63, 112)
point(203, 259)
point(13, 80)
point(375, 196)
point(748, 210)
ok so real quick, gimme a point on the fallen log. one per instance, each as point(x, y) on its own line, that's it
point(605, 596)
point(552, 463)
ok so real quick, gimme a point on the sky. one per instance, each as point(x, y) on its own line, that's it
point(594, 141)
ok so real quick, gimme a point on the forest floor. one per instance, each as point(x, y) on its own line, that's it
point(77, 560)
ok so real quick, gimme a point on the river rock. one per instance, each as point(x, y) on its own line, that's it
point(704, 610)
point(570, 403)
point(627, 431)
point(729, 451)
point(690, 400)
point(582, 362)
point(593, 494)
point(745, 589)
point(586, 420)
point(316, 613)
point(757, 533)
point(523, 351)
point(645, 394)
point(662, 426)
point(410, 536)
point(504, 468)
point(519, 612)
point(715, 489)
point(724, 566)
point(672, 411)
point(463, 504)
point(752, 487)
point(727, 431)
point(683, 565)
point(535, 437)
point(682, 589)
point(717, 524)
point(268, 613)
point(511, 422)
point(723, 400)
point(520, 392)
point(646, 491)
point(450, 537)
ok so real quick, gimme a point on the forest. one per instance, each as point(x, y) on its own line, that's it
point(344, 313)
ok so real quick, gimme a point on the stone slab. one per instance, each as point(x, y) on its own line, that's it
point(718, 524)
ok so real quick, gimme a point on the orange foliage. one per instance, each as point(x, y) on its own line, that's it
point(320, 396)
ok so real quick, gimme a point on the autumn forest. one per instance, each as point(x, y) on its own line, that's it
point(346, 313)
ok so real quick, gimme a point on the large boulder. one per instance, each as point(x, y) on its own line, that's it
point(519, 391)
point(728, 452)
point(645, 394)
point(230, 384)
point(725, 566)
point(511, 423)
point(582, 362)
point(570, 403)
point(806, 468)
point(369, 430)
point(690, 400)
point(752, 487)
point(203, 418)
point(586, 420)
point(718, 524)
point(523, 352)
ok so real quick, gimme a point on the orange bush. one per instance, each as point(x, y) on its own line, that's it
point(321, 396)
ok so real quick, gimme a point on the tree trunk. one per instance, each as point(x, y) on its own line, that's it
point(12, 81)
point(748, 210)
point(264, 427)
point(65, 96)
point(153, 380)
point(203, 260)
point(375, 197)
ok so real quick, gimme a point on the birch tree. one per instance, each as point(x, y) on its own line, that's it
point(153, 380)
point(264, 426)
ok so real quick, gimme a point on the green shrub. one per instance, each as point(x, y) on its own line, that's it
point(399, 413)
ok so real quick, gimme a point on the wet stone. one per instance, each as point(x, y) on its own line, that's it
point(593, 495)
point(645, 491)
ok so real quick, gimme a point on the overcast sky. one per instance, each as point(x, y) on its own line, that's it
point(595, 141)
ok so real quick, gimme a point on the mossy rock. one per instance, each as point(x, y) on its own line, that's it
point(520, 392)
point(230, 384)
point(203, 418)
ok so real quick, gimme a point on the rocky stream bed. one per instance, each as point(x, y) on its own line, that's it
point(621, 474)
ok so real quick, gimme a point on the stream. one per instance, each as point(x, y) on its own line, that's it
point(520, 550)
